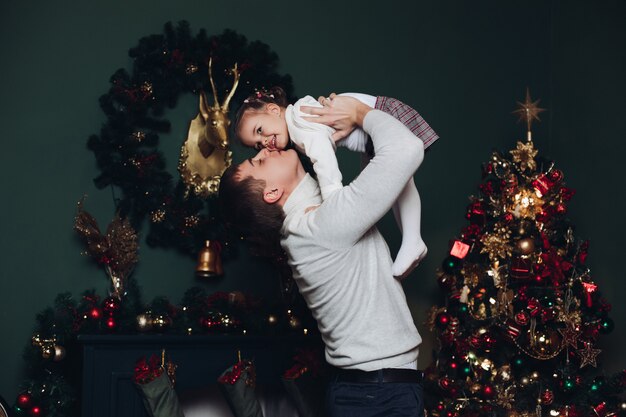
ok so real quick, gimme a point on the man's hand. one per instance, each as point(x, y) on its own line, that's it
point(342, 113)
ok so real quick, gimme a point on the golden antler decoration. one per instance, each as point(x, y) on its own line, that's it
point(205, 155)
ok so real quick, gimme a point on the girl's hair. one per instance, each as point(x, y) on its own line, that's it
point(257, 101)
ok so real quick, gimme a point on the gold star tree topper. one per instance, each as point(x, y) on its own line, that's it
point(528, 111)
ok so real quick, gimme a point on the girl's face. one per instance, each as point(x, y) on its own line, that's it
point(264, 128)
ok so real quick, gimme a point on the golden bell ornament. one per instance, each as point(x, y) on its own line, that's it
point(209, 260)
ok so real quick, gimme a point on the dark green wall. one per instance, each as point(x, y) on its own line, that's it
point(462, 64)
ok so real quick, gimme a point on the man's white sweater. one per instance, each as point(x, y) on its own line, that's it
point(342, 264)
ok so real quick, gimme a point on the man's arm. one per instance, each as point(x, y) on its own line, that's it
point(352, 211)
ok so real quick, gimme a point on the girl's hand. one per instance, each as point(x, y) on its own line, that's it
point(342, 113)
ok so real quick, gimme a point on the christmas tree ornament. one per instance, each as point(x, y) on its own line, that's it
point(526, 204)
point(209, 260)
point(459, 249)
point(570, 336)
point(524, 156)
point(528, 111)
point(588, 355)
point(525, 246)
point(496, 245)
point(547, 397)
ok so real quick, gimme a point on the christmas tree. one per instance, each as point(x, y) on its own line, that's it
point(518, 329)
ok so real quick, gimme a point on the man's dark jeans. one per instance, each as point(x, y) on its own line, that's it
point(375, 399)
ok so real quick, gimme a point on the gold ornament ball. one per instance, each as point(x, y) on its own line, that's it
point(144, 322)
point(59, 353)
point(526, 246)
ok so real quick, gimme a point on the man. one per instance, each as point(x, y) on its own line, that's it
point(340, 262)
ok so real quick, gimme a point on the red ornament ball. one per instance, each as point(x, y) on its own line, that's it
point(110, 305)
point(547, 397)
point(24, 399)
point(522, 318)
point(445, 383)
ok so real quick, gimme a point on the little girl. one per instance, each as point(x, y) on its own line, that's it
point(267, 120)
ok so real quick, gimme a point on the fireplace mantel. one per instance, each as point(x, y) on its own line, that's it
point(109, 360)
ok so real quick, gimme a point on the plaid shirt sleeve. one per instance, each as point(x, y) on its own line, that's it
point(409, 117)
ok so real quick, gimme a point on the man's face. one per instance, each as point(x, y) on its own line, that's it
point(281, 171)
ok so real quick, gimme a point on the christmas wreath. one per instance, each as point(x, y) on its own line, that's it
point(165, 67)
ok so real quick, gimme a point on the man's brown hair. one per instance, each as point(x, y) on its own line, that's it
point(242, 206)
